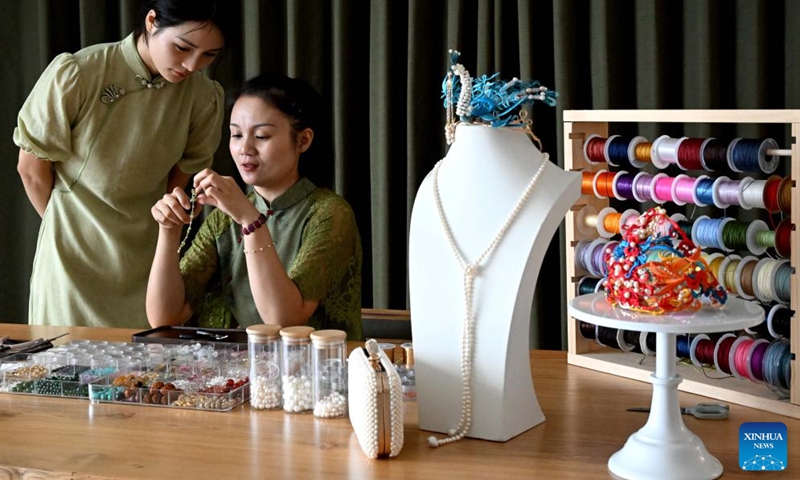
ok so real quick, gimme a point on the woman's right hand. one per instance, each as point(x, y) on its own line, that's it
point(172, 211)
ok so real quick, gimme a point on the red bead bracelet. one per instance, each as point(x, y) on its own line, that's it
point(262, 219)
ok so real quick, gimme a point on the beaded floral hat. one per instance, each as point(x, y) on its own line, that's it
point(488, 99)
point(657, 269)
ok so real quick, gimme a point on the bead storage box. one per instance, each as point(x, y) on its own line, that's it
point(195, 376)
point(66, 370)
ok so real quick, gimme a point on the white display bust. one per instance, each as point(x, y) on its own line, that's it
point(480, 181)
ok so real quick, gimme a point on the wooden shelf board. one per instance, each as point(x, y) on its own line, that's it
point(732, 390)
point(685, 116)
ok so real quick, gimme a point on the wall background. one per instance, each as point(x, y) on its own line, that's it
point(379, 65)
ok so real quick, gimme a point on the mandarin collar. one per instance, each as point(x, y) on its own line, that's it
point(290, 197)
point(135, 62)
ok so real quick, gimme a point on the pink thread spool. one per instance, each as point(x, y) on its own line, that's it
point(683, 189)
point(654, 188)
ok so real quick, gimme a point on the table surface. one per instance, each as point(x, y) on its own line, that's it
point(586, 422)
point(736, 314)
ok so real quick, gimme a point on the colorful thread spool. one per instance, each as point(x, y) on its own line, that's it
point(722, 353)
point(665, 151)
point(750, 155)
point(779, 320)
point(782, 239)
point(701, 350)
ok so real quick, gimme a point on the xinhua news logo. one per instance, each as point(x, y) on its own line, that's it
point(762, 446)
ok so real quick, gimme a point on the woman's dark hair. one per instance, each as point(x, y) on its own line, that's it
point(304, 106)
point(171, 13)
point(294, 97)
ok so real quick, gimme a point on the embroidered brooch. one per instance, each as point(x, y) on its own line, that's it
point(112, 93)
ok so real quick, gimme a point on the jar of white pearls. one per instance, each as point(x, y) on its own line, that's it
point(296, 369)
point(330, 373)
point(264, 354)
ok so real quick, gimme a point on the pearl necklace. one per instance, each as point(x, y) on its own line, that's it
point(470, 271)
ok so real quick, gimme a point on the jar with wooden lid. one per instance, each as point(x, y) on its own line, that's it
point(264, 355)
point(297, 369)
point(330, 375)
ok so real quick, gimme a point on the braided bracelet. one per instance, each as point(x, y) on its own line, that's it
point(262, 219)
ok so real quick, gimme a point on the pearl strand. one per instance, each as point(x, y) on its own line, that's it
point(470, 274)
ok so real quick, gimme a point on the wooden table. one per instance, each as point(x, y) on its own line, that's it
point(586, 423)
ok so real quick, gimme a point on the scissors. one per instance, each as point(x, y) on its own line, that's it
point(703, 411)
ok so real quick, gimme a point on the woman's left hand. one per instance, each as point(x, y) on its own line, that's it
point(224, 193)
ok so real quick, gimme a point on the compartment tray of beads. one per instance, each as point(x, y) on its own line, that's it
point(28, 374)
point(220, 387)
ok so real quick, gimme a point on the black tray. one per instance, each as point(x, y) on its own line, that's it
point(169, 334)
point(12, 341)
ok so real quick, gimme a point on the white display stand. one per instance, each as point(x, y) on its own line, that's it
point(480, 181)
point(664, 449)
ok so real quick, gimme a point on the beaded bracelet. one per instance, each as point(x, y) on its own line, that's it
point(262, 219)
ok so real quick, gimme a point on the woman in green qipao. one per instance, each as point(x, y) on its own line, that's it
point(104, 133)
point(289, 253)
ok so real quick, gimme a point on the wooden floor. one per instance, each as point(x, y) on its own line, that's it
point(47, 438)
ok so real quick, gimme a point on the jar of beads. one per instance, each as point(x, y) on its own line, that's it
point(330, 377)
point(296, 368)
point(264, 355)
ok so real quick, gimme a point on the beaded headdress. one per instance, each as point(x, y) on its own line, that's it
point(488, 99)
point(657, 269)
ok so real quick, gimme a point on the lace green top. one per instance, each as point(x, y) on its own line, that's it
point(314, 234)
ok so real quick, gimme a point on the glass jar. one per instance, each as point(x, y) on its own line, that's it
point(296, 368)
point(388, 349)
point(406, 372)
point(264, 356)
point(330, 376)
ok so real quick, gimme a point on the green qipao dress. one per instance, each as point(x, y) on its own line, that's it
point(315, 235)
point(113, 133)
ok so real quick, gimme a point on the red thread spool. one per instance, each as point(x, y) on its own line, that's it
point(722, 353)
point(783, 233)
point(689, 154)
point(595, 150)
point(771, 194)
point(705, 352)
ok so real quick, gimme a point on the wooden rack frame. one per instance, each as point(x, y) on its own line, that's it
point(578, 126)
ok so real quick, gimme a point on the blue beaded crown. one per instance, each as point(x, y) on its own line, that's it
point(487, 99)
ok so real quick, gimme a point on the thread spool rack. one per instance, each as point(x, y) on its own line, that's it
point(580, 125)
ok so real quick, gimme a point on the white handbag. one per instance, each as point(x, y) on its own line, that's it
point(375, 396)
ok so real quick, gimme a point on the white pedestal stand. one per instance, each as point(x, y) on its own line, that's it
point(664, 448)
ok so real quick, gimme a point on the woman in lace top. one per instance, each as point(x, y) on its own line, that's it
point(289, 253)
point(103, 134)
